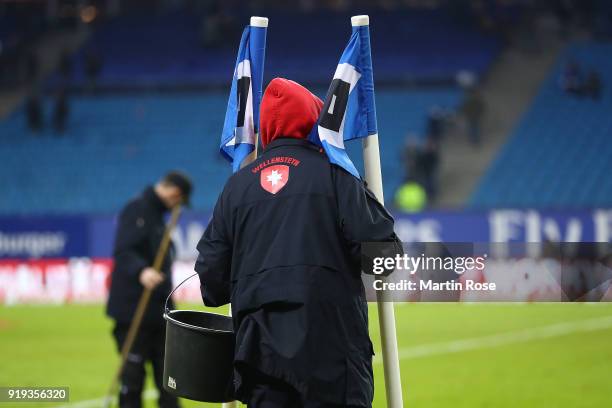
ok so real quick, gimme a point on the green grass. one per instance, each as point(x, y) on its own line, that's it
point(72, 346)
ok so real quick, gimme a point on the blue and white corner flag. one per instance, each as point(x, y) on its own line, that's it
point(241, 124)
point(349, 111)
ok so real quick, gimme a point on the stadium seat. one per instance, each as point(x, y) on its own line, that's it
point(114, 145)
point(560, 155)
point(145, 50)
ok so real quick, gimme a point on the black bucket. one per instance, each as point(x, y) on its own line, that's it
point(198, 363)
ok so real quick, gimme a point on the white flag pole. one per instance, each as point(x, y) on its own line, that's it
point(386, 313)
point(255, 22)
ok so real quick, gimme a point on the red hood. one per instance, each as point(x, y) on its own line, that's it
point(287, 110)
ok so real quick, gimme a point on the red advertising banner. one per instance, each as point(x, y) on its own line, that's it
point(74, 280)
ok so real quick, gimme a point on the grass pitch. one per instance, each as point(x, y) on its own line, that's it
point(453, 355)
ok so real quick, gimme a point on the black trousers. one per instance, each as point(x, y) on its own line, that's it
point(267, 392)
point(148, 346)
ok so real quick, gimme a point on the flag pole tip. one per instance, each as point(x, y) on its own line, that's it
point(357, 21)
point(259, 21)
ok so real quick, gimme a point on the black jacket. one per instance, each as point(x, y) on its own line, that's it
point(289, 262)
point(139, 232)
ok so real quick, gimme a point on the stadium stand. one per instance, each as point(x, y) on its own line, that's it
point(17, 27)
point(141, 50)
point(7, 28)
point(10, 43)
point(114, 145)
point(560, 154)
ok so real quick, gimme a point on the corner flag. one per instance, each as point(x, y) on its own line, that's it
point(349, 111)
point(363, 120)
point(241, 125)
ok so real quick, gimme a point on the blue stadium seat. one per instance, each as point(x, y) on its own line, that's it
point(114, 145)
point(166, 49)
point(560, 155)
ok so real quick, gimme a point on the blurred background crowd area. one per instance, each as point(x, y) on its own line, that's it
point(481, 104)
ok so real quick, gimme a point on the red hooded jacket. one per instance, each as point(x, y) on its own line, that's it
point(287, 110)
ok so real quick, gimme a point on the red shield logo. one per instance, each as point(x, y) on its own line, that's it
point(274, 178)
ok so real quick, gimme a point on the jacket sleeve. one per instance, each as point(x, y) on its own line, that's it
point(132, 235)
point(214, 258)
point(362, 219)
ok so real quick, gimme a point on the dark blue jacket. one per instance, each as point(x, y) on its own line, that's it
point(140, 229)
point(283, 246)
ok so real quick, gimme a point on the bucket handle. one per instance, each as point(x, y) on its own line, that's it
point(171, 293)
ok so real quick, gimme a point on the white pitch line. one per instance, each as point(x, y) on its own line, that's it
point(501, 339)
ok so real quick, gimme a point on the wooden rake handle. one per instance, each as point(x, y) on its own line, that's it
point(141, 308)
